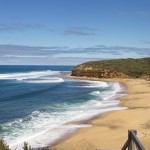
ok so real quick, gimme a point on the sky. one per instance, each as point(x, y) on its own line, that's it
point(70, 32)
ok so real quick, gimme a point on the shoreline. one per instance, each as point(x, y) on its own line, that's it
point(85, 122)
point(76, 124)
point(80, 140)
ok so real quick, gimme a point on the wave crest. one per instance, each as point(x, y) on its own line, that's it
point(28, 75)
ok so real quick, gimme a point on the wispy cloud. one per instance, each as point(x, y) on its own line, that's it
point(145, 41)
point(22, 27)
point(142, 13)
point(139, 13)
point(80, 31)
point(23, 56)
point(121, 49)
point(17, 54)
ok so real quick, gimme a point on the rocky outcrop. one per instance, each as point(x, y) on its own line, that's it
point(103, 73)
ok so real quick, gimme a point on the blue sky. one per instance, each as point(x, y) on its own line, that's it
point(53, 32)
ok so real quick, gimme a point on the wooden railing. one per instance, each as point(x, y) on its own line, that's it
point(133, 142)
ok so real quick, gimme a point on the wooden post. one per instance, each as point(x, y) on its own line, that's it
point(130, 140)
point(132, 145)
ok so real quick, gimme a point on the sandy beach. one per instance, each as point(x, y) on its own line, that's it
point(110, 130)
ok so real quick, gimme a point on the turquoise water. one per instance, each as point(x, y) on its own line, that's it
point(36, 102)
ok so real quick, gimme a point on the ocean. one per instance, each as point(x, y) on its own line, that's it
point(38, 105)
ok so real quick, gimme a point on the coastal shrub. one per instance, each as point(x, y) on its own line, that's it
point(134, 68)
point(3, 145)
point(26, 147)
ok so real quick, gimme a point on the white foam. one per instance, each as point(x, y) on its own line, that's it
point(51, 136)
point(96, 93)
point(49, 80)
point(42, 139)
point(28, 75)
point(95, 84)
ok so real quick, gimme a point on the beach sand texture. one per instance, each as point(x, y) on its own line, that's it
point(110, 130)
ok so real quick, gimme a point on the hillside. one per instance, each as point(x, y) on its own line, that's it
point(117, 68)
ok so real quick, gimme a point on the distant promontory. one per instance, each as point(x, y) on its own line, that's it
point(116, 68)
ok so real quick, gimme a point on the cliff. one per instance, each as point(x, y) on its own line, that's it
point(117, 68)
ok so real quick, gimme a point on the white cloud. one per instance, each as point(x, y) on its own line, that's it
point(15, 54)
point(5, 27)
point(23, 56)
point(80, 31)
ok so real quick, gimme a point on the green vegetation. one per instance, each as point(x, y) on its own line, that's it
point(4, 146)
point(26, 147)
point(135, 68)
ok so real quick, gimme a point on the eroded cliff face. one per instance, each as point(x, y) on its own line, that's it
point(98, 73)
